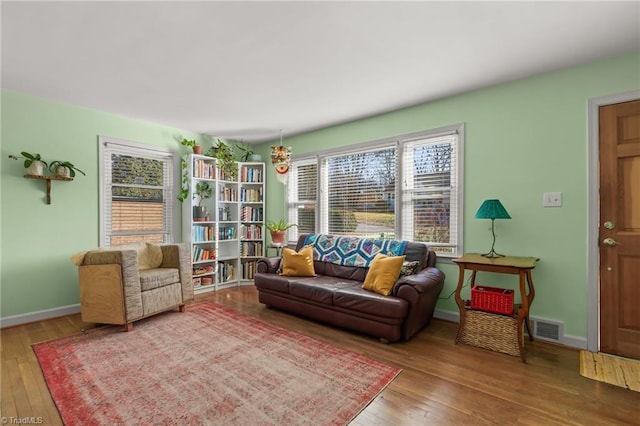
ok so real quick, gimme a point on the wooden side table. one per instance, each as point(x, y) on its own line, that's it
point(521, 266)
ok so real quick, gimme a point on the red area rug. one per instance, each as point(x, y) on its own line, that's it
point(208, 365)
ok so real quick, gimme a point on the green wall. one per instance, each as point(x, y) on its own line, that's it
point(38, 239)
point(522, 139)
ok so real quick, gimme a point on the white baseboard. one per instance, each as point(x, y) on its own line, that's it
point(567, 340)
point(39, 315)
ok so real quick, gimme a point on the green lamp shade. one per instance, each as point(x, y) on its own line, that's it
point(492, 209)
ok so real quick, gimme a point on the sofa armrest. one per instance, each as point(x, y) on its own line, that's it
point(422, 282)
point(177, 256)
point(421, 291)
point(268, 265)
point(128, 261)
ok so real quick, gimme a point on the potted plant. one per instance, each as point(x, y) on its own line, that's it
point(227, 161)
point(197, 149)
point(278, 230)
point(32, 162)
point(64, 169)
point(247, 153)
point(204, 191)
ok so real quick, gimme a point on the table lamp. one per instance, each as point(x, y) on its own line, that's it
point(492, 209)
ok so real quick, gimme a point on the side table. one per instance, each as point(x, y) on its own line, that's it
point(278, 247)
point(521, 266)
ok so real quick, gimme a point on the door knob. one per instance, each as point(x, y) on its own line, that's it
point(610, 242)
point(609, 225)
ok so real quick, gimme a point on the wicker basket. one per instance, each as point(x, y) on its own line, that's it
point(492, 299)
point(489, 331)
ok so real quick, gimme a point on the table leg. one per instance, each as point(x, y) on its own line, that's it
point(460, 302)
point(523, 315)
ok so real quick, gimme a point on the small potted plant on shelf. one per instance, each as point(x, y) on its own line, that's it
point(227, 161)
point(64, 169)
point(204, 191)
point(197, 149)
point(32, 162)
point(278, 230)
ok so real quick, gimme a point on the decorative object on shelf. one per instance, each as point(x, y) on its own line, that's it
point(281, 159)
point(204, 191)
point(64, 169)
point(32, 162)
point(197, 149)
point(492, 209)
point(278, 230)
point(227, 161)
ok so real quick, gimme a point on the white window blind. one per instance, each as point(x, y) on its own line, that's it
point(136, 195)
point(359, 196)
point(303, 197)
point(429, 191)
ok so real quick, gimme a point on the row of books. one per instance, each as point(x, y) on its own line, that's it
point(202, 233)
point(248, 269)
point(226, 193)
point(204, 169)
point(224, 213)
point(251, 174)
point(226, 272)
point(226, 232)
point(200, 254)
point(251, 232)
point(251, 214)
point(251, 248)
point(250, 195)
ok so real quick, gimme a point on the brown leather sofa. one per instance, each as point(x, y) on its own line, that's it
point(336, 296)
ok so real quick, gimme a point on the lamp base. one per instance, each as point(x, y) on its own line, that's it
point(493, 254)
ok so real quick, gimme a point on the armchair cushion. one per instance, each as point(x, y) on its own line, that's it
point(160, 277)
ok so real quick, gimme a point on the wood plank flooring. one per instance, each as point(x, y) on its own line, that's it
point(441, 383)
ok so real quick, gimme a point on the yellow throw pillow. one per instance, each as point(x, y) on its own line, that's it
point(383, 274)
point(298, 264)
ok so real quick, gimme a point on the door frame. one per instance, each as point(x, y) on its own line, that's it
point(593, 219)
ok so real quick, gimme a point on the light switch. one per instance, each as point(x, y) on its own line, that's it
point(552, 199)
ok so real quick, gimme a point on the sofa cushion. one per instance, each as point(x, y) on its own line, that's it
point(383, 274)
point(299, 264)
point(319, 289)
point(156, 278)
point(357, 299)
point(272, 282)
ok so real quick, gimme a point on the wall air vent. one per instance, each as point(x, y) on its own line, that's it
point(551, 331)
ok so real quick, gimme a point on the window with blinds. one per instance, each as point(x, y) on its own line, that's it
point(359, 196)
point(429, 192)
point(136, 197)
point(302, 200)
point(408, 187)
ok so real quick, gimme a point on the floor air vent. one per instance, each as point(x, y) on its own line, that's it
point(551, 331)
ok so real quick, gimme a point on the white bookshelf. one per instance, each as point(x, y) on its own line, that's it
point(226, 243)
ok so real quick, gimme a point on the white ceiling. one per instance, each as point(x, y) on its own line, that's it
point(248, 69)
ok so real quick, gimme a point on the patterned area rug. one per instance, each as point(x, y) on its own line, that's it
point(209, 365)
point(615, 370)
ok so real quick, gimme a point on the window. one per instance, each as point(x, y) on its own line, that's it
point(408, 187)
point(136, 193)
point(303, 194)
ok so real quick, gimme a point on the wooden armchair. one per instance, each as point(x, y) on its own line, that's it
point(123, 284)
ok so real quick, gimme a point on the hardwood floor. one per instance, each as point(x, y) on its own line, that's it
point(441, 383)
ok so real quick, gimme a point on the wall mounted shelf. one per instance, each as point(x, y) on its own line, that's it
point(48, 179)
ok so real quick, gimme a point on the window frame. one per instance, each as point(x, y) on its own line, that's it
point(171, 212)
point(398, 142)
